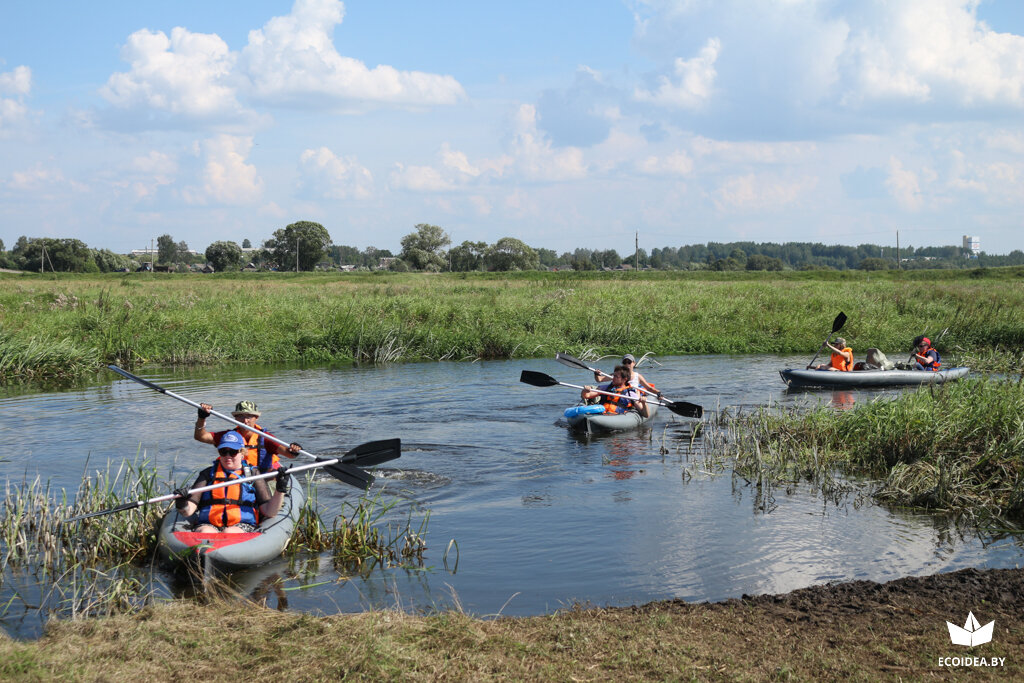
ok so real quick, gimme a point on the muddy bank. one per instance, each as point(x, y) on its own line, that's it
point(858, 631)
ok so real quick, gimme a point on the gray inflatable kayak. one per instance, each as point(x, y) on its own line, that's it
point(605, 422)
point(869, 378)
point(227, 552)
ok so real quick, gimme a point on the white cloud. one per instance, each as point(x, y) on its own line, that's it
point(227, 178)
point(904, 186)
point(535, 158)
point(13, 111)
point(692, 83)
point(188, 74)
point(419, 179)
point(17, 82)
point(675, 163)
point(925, 50)
point(334, 177)
point(726, 151)
point(752, 192)
point(294, 58)
point(36, 178)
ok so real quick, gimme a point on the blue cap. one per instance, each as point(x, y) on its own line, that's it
point(232, 440)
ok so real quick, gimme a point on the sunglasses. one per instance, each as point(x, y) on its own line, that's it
point(228, 452)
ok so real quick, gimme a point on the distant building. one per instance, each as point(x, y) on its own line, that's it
point(386, 261)
point(972, 245)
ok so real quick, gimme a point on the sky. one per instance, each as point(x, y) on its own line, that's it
point(564, 124)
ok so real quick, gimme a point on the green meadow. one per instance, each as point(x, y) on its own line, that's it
point(63, 325)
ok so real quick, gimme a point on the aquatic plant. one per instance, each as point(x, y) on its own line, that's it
point(357, 536)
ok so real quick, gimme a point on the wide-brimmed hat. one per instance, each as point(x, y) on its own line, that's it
point(246, 408)
point(232, 440)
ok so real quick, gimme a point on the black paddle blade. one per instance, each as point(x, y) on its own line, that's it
point(353, 476)
point(537, 379)
point(374, 453)
point(572, 362)
point(685, 409)
point(838, 323)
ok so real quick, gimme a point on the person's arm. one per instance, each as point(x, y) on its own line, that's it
point(647, 385)
point(201, 433)
point(188, 504)
point(270, 505)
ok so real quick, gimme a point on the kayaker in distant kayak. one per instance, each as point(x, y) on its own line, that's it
point(629, 398)
point(842, 358)
point(231, 509)
point(259, 452)
point(636, 380)
point(923, 356)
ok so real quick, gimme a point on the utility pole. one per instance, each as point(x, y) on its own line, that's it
point(636, 253)
point(296, 253)
point(899, 266)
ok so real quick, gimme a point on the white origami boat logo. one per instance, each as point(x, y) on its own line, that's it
point(972, 633)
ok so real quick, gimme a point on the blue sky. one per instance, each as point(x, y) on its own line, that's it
point(563, 124)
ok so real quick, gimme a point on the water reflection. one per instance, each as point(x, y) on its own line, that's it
point(542, 517)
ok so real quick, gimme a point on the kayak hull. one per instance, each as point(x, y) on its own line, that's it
point(869, 378)
point(605, 422)
point(229, 552)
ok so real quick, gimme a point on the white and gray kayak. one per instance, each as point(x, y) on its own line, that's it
point(583, 420)
point(869, 378)
point(228, 552)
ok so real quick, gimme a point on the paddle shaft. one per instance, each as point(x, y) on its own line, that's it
point(167, 392)
point(203, 489)
point(566, 359)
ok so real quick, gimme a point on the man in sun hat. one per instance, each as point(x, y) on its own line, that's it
point(636, 380)
point(260, 452)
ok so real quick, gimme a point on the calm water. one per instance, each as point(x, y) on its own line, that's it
point(542, 518)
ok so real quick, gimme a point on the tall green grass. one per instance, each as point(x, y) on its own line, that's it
point(378, 318)
point(955, 447)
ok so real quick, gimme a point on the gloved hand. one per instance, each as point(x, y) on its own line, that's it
point(182, 501)
point(293, 449)
point(203, 413)
point(283, 480)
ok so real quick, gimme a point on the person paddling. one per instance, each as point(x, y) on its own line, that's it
point(923, 356)
point(635, 380)
point(629, 398)
point(842, 358)
point(231, 509)
point(259, 452)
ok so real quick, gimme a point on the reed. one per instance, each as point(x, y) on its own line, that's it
point(66, 324)
point(359, 535)
point(953, 447)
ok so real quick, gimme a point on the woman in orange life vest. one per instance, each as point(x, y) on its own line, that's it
point(231, 509)
point(629, 397)
point(259, 452)
point(923, 356)
point(842, 357)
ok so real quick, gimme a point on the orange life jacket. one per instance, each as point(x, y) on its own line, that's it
point(616, 405)
point(229, 505)
point(256, 452)
point(839, 360)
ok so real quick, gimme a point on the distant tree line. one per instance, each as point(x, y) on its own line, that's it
point(306, 246)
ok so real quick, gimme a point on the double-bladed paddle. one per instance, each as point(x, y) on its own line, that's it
point(539, 379)
point(837, 325)
point(338, 469)
point(573, 362)
point(367, 454)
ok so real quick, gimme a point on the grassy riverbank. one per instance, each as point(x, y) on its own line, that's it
point(954, 447)
point(860, 631)
point(61, 325)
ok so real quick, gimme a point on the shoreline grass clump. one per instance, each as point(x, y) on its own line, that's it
point(954, 447)
point(356, 538)
point(390, 318)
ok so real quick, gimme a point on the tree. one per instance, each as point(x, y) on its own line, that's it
point(166, 249)
point(62, 255)
point(467, 256)
point(246, 244)
point(423, 249)
point(313, 241)
point(875, 263)
point(762, 262)
point(224, 256)
point(508, 253)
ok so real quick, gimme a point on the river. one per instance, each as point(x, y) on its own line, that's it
point(541, 518)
